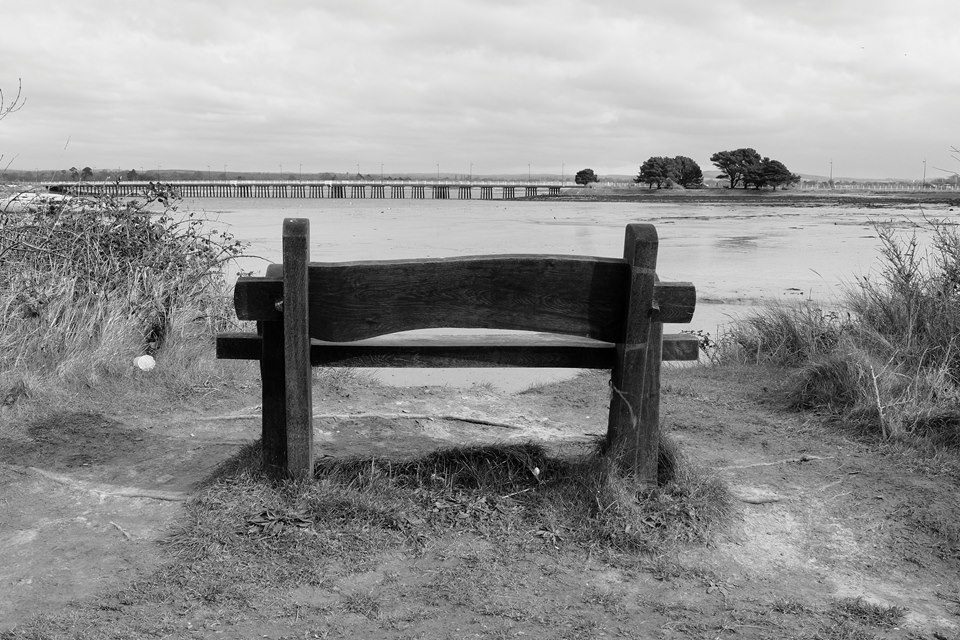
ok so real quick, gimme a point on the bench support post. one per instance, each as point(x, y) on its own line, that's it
point(633, 427)
point(296, 351)
point(274, 431)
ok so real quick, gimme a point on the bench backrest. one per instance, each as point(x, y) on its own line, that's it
point(573, 295)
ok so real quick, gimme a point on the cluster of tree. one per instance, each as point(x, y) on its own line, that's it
point(663, 171)
point(585, 177)
point(747, 167)
point(83, 174)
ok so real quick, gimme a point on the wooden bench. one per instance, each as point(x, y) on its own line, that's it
point(593, 313)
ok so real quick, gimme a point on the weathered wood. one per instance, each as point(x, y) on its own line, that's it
point(634, 442)
point(273, 396)
point(680, 347)
point(527, 350)
point(675, 301)
point(259, 298)
point(648, 437)
point(356, 300)
point(299, 401)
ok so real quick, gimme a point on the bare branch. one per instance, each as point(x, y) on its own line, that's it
point(16, 105)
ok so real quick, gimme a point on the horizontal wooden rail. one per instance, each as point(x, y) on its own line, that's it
point(529, 350)
point(573, 296)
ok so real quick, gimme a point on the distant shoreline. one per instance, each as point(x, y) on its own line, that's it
point(788, 198)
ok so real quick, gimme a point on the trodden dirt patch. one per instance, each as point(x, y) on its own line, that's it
point(833, 536)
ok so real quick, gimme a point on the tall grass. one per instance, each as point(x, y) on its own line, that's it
point(889, 359)
point(87, 285)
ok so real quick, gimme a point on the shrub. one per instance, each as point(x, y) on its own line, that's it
point(86, 284)
point(889, 359)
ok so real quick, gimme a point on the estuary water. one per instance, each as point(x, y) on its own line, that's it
point(738, 256)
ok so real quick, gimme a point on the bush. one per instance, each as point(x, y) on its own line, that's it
point(87, 284)
point(889, 360)
point(784, 334)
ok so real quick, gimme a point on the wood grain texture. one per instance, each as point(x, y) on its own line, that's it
point(676, 301)
point(590, 305)
point(567, 295)
point(635, 443)
point(680, 347)
point(299, 379)
point(273, 396)
point(399, 350)
point(256, 298)
point(355, 300)
point(648, 438)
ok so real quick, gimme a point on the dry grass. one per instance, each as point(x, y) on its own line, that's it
point(516, 494)
point(888, 362)
point(87, 285)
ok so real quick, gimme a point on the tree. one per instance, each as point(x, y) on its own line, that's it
point(735, 164)
point(132, 175)
point(585, 177)
point(687, 172)
point(655, 171)
point(86, 173)
point(769, 173)
point(74, 174)
point(776, 174)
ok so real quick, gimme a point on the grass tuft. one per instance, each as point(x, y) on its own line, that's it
point(868, 613)
point(888, 361)
point(509, 494)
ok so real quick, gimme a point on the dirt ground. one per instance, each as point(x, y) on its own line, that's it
point(821, 515)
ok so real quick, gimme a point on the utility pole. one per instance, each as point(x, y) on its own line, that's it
point(831, 173)
point(471, 172)
point(381, 172)
point(300, 179)
point(438, 171)
point(923, 185)
point(528, 172)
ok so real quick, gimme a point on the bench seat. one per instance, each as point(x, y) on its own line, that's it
point(506, 350)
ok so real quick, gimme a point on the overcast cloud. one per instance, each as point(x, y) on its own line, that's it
point(872, 85)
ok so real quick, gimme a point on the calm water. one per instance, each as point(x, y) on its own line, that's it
point(737, 255)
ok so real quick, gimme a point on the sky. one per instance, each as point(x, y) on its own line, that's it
point(502, 86)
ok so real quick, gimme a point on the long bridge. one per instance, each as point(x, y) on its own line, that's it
point(434, 189)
